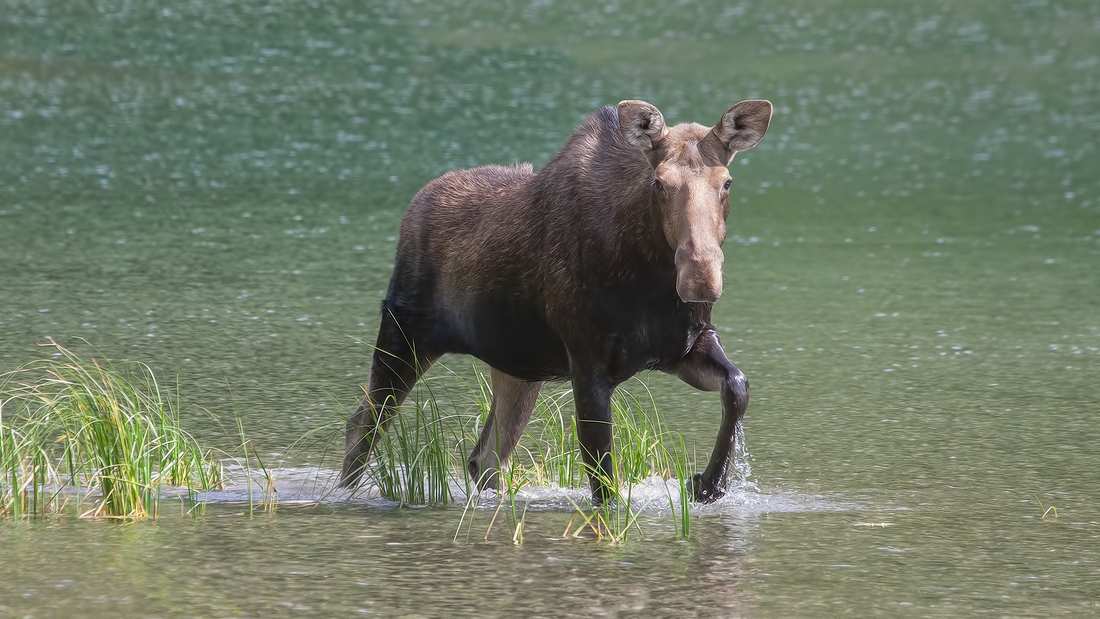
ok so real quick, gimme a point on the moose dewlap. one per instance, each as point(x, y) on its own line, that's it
point(602, 264)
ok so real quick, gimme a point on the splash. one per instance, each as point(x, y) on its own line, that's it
point(740, 475)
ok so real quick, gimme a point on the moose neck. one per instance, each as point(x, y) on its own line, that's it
point(604, 183)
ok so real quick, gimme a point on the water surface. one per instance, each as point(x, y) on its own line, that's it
point(214, 188)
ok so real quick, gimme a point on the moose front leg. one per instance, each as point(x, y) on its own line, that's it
point(592, 399)
point(707, 368)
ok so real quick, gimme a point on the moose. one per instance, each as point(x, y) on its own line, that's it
point(604, 263)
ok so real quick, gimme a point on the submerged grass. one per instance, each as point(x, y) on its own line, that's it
point(69, 426)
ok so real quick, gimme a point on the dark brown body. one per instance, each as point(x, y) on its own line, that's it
point(578, 272)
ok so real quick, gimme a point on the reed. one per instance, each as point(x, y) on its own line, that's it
point(643, 449)
point(549, 451)
point(418, 456)
point(682, 473)
point(270, 500)
point(70, 425)
point(28, 474)
point(613, 520)
point(76, 431)
point(640, 437)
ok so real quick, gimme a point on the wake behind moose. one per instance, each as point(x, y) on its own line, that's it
point(604, 263)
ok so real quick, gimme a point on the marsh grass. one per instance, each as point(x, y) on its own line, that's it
point(643, 448)
point(613, 520)
point(413, 464)
point(270, 497)
point(81, 432)
point(29, 475)
point(421, 458)
point(70, 426)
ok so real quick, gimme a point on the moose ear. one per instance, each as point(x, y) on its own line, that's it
point(641, 124)
point(743, 125)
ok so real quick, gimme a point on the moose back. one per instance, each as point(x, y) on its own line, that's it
point(604, 263)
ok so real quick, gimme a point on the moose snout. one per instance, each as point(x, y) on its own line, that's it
point(699, 274)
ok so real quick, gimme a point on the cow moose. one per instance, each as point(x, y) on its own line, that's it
point(604, 263)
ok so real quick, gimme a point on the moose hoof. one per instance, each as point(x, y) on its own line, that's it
point(603, 496)
point(485, 480)
point(702, 491)
point(351, 476)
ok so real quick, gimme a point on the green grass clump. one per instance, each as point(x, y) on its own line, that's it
point(549, 453)
point(641, 438)
point(69, 425)
point(643, 447)
point(422, 456)
point(414, 460)
point(84, 432)
point(26, 471)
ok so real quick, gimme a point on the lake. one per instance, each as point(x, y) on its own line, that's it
point(912, 285)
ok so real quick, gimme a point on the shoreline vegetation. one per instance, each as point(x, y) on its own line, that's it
point(101, 440)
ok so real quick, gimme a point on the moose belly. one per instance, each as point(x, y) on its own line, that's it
point(511, 337)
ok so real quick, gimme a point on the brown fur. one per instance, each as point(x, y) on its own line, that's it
point(603, 263)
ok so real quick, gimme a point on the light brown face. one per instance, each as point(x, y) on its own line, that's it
point(691, 184)
point(694, 202)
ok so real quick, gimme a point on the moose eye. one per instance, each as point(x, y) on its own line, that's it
point(728, 183)
point(657, 185)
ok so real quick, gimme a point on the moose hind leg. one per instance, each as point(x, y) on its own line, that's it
point(707, 368)
point(395, 367)
point(513, 401)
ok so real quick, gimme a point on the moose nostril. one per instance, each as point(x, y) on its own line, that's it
point(710, 293)
point(698, 285)
point(698, 294)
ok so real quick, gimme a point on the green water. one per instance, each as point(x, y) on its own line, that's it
point(912, 287)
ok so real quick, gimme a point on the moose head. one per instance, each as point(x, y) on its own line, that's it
point(691, 183)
